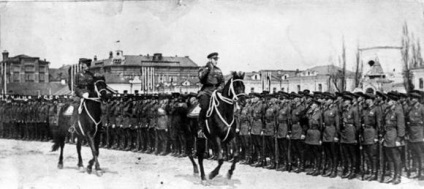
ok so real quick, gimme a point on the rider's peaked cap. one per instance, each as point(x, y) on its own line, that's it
point(212, 55)
point(176, 95)
point(86, 61)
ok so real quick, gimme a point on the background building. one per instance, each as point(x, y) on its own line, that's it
point(23, 74)
point(148, 74)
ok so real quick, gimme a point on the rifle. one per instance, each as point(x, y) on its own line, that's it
point(277, 156)
point(361, 157)
point(407, 160)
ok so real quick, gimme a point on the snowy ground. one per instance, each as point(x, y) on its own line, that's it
point(26, 164)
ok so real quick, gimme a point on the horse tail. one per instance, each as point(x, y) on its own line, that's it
point(62, 130)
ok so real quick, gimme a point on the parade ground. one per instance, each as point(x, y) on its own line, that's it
point(27, 164)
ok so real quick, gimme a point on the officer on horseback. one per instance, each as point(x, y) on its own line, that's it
point(212, 79)
point(83, 85)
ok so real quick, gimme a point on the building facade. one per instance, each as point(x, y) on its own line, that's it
point(148, 74)
point(319, 78)
point(23, 70)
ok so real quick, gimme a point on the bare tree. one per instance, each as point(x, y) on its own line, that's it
point(407, 58)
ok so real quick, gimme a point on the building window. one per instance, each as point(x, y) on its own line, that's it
point(16, 77)
point(320, 87)
point(42, 68)
point(298, 87)
point(252, 89)
point(41, 78)
point(274, 90)
point(31, 68)
point(16, 69)
point(29, 77)
point(421, 83)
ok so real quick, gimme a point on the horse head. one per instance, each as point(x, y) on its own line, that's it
point(100, 87)
point(234, 88)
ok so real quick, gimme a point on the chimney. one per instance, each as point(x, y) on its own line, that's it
point(95, 58)
point(5, 55)
point(110, 55)
point(157, 57)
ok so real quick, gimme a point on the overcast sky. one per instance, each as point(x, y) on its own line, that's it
point(249, 35)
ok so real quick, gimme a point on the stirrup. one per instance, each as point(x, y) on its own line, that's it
point(72, 129)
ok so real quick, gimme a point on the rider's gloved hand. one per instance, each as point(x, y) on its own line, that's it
point(85, 95)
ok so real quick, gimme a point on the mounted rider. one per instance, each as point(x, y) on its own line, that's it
point(83, 85)
point(212, 79)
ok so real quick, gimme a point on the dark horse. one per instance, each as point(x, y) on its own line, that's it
point(87, 126)
point(220, 124)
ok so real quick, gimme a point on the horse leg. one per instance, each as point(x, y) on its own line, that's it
point(60, 164)
point(236, 156)
point(94, 145)
point(189, 147)
point(80, 164)
point(200, 151)
point(217, 143)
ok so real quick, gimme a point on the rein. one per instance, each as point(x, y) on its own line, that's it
point(84, 105)
point(214, 103)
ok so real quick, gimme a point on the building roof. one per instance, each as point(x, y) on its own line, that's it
point(140, 60)
point(327, 70)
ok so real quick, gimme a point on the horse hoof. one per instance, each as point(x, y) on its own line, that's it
point(212, 175)
point(205, 183)
point(229, 176)
point(99, 173)
point(60, 166)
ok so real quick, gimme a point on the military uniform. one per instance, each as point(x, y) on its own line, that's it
point(269, 131)
point(258, 111)
point(313, 138)
point(245, 124)
point(415, 132)
point(348, 139)
point(371, 122)
point(394, 133)
point(211, 78)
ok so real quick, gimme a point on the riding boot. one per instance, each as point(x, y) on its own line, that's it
point(328, 171)
point(333, 171)
point(391, 177)
point(272, 164)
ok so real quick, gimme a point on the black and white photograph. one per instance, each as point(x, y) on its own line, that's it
point(226, 94)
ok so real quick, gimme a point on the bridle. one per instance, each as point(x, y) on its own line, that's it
point(214, 103)
point(84, 105)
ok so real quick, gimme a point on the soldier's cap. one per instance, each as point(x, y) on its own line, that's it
point(393, 96)
point(316, 102)
point(176, 95)
point(318, 94)
point(212, 55)
point(86, 61)
point(328, 95)
point(369, 96)
point(415, 95)
point(403, 95)
point(347, 97)
point(360, 94)
point(192, 94)
point(381, 94)
point(265, 93)
point(308, 95)
point(257, 95)
point(295, 95)
point(306, 91)
point(339, 94)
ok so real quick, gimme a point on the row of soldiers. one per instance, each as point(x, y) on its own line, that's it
point(140, 123)
point(351, 135)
